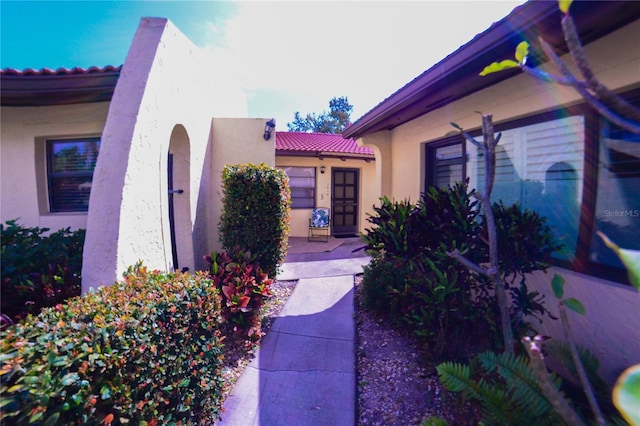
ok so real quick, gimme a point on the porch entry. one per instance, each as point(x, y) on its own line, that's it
point(344, 201)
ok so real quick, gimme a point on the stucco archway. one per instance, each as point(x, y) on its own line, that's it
point(179, 200)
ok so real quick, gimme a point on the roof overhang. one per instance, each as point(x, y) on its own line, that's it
point(456, 76)
point(325, 154)
point(61, 87)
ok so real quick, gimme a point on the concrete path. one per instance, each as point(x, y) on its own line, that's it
point(304, 371)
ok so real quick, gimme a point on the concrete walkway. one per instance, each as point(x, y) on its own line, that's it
point(304, 371)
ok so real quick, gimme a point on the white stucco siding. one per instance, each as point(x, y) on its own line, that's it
point(165, 81)
point(23, 158)
point(609, 328)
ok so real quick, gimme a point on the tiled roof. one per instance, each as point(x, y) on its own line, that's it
point(319, 144)
point(46, 86)
point(60, 71)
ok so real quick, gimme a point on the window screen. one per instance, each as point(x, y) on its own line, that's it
point(302, 182)
point(70, 165)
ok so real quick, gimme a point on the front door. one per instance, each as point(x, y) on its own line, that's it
point(344, 201)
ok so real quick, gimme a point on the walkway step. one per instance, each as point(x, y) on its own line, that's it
point(322, 268)
point(304, 371)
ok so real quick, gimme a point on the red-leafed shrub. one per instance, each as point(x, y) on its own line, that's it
point(244, 288)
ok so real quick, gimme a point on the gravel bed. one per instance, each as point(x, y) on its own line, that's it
point(396, 384)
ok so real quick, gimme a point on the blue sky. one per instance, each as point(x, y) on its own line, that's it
point(290, 55)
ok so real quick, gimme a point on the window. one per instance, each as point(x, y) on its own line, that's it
point(617, 212)
point(70, 165)
point(302, 182)
point(543, 162)
point(447, 163)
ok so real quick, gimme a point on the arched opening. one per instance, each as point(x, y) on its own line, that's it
point(179, 178)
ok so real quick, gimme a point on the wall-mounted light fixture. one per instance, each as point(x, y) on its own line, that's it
point(322, 169)
point(268, 128)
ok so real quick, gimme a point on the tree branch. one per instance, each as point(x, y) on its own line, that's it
point(552, 394)
point(580, 58)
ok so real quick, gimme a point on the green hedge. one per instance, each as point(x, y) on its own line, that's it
point(38, 269)
point(255, 214)
point(146, 350)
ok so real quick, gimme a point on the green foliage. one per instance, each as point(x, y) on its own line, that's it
point(504, 385)
point(564, 5)
point(561, 352)
point(526, 244)
point(414, 281)
point(626, 394)
point(145, 351)
point(525, 240)
point(255, 214)
point(522, 51)
point(630, 259)
point(335, 121)
point(434, 421)
point(38, 270)
point(244, 288)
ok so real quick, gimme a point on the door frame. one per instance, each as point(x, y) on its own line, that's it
point(337, 229)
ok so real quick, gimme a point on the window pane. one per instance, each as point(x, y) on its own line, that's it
point(618, 194)
point(67, 156)
point(539, 166)
point(70, 165)
point(448, 165)
point(302, 182)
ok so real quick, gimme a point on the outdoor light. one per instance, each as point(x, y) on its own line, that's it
point(268, 128)
point(322, 169)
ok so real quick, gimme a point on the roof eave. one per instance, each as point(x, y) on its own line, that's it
point(47, 89)
point(433, 89)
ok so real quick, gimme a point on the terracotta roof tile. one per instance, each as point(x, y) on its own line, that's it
point(320, 143)
point(60, 71)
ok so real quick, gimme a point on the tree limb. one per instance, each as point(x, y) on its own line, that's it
point(547, 387)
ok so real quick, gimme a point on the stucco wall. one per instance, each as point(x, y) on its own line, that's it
point(165, 82)
point(613, 310)
point(610, 327)
point(23, 159)
point(368, 189)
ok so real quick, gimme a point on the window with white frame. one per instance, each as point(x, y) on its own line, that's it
point(70, 165)
point(302, 182)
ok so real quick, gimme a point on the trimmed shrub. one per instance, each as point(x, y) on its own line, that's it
point(143, 351)
point(244, 287)
point(255, 213)
point(38, 270)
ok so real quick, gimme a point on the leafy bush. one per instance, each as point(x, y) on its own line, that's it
point(255, 214)
point(415, 283)
point(508, 391)
point(144, 351)
point(38, 270)
point(414, 279)
point(244, 288)
point(505, 386)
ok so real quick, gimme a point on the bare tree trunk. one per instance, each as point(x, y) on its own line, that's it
point(493, 273)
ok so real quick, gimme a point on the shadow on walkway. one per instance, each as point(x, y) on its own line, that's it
point(304, 371)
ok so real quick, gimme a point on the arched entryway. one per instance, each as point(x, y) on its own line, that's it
point(178, 175)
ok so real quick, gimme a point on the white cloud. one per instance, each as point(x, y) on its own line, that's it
point(313, 51)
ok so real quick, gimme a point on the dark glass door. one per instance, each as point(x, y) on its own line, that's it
point(344, 209)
